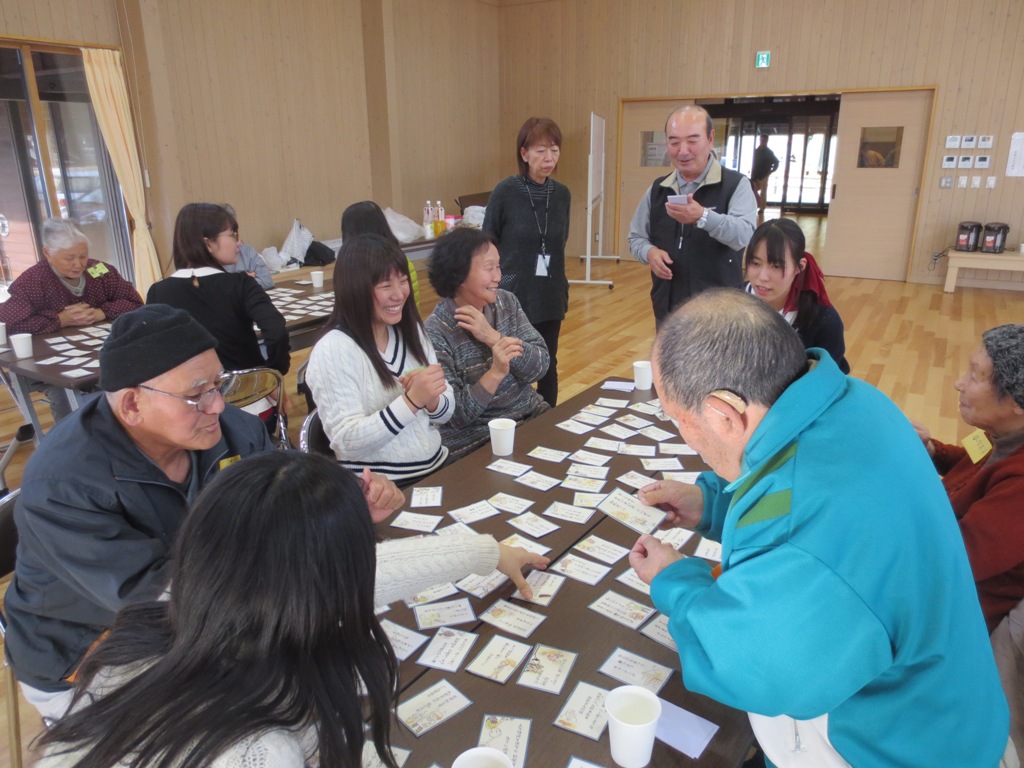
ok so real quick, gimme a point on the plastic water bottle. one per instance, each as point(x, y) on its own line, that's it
point(428, 220)
point(439, 220)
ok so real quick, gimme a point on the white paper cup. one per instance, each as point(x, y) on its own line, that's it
point(482, 757)
point(1022, 247)
point(633, 714)
point(503, 437)
point(317, 276)
point(3, 334)
point(643, 377)
point(22, 343)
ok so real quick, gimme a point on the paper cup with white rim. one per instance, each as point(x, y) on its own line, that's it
point(317, 276)
point(503, 436)
point(482, 757)
point(643, 377)
point(633, 714)
point(3, 334)
point(22, 343)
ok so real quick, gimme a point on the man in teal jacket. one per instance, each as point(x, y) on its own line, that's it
point(844, 617)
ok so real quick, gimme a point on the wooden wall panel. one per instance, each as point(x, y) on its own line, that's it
point(80, 21)
point(971, 50)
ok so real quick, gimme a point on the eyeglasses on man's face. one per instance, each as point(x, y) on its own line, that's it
point(201, 402)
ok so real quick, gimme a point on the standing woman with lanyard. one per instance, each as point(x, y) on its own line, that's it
point(528, 215)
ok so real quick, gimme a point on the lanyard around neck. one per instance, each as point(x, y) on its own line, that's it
point(547, 206)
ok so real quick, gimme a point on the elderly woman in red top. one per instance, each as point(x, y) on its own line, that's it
point(68, 289)
point(985, 478)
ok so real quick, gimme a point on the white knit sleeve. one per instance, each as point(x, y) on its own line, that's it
point(446, 402)
point(270, 749)
point(408, 566)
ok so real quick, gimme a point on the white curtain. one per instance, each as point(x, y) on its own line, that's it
point(109, 95)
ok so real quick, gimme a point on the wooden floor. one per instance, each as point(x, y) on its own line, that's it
point(911, 341)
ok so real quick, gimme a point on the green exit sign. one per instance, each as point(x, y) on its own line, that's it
point(763, 59)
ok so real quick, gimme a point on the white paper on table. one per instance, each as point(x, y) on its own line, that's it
point(403, 640)
point(507, 467)
point(690, 478)
point(610, 402)
point(77, 373)
point(657, 630)
point(588, 470)
point(619, 431)
point(590, 500)
point(630, 579)
point(709, 550)
point(632, 669)
point(580, 568)
point(674, 537)
point(481, 510)
point(634, 422)
point(668, 464)
point(579, 762)
point(537, 480)
point(53, 361)
point(427, 497)
point(548, 454)
point(532, 524)
point(678, 449)
point(412, 521)
point(371, 759)
point(429, 595)
point(506, 502)
point(589, 457)
point(650, 409)
point(618, 386)
point(576, 427)
point(569, 512)
point(657, 433)
point(603, 444)
point(602, 410)
point(621, 609)
point(592, 419)
point(585, 484)
point(544, 585)
point(584, 713)
point(627, 449)
point(631, 512)
point(431, 707)
point(517, 540)
point(634, 479)
point(447, 649)
point(511, 618)
point(499, 659)
point(507, 734)
point(443, 614)
point(455, 528)
point(684, 731)
point(482, 586)
point(548, 669)
point(602, 549)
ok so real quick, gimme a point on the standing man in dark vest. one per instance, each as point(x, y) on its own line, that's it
point(697, 244)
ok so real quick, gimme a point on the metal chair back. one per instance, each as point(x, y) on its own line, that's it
point(312, 438)
point(250, 386)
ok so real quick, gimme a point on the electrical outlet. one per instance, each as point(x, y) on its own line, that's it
point(946, 182)
point(975, 182)
point(961, 182)
point(990, 182)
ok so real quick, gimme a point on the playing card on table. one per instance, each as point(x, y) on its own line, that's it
point(573, 514)
point(657, 433)
point(442, 614)
point(631, 512)
point(631, 669)
point(657, 630)
point(627, 449)
point(537, 480)
point(548, 454)
point(506, 502)
point(623, 610)
point(544, 585)
point(513, 619)
point(482, 586)
point(678, 449)
point(429, 595)
point(602, 549)
point(634, 480)
point(447, 649)
point(506, 467)
point(587, 470)
point(584, 713)
point(547, 669)
point(656, 465)
point(589, 457)
point(481, 510)
point(634, 422)
point(580, 568)
point(630, 579)
point(590, 418)
point(619, 431)
point(516, 540)
point(499, 659)
point(585, 484)
point(576, 427)
point(533, 524)
point(427, 497)
point(431, 707)
point(413, 521)
point(404, 641)
point(603, 444)
point(508, 734)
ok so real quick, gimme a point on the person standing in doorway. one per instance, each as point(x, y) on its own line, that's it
point(765, 164)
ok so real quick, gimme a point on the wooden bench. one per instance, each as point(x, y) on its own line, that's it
point(1009, 260)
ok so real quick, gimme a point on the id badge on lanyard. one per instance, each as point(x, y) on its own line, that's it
point(543, 263)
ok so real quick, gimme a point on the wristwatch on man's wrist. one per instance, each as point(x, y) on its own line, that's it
point(703, 220)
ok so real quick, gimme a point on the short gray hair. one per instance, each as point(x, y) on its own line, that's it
point(1005, 347)
point(709, 123)
point(59, 234)
point(726, 339)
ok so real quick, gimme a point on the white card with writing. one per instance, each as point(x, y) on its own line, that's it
point(453, 529)
point(587, 470)
point(429, 708)
point(590, 418)
point(634, 422)
point(601, 410)
point(371, 759)
point(532, 524)
point(512, 619)
point(427, 497)
point(619, 431)
point(78, 373)
point(548, 454)
point(648, 408)
point(506, 502)
point(585, 484)
point(448, 649)
point(657, 630)
point(626, 449)
point(670, 464)
point(516, 540)
point(611, 402)
point(431, 594)
point(547, 669)
point(690, 478)
point(404, 641)
point(507, 734)
point(629, 511)
point(589, 457)
point(631, 669)
point(602, 549)
point(676, 449)
point(570, 512)
point(657, 433)
point(538, 481)
point(545, 586)
point(709, 550)
point(618, 386)
point(634, 479)
point(576, 427)
point(443, 614)
point(53, 361)
point(481, 510)
point(584, 713)
point(590, 500)
point(625, 611)
point(674, 537)
point(603, 444)
point(482, 586)
point(580, 568)
point(630, 579)
point(414, 521)
point(507, 467)
point(574, 762)
point(499, 659)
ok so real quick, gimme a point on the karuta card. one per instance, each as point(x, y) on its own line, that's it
point(453, 529)
point(545, 586)
point(548, 454)
point(603, 444)
point(657, 433)
point(413, 521)
point(631, 669)
point(589, 457)
point(601, 410)
point(590, 500)
point(590, 418)
point(78, 373)
point(437, 592)
point(709, 550)
point(499, 659)
point(482, 586)
point(657, 465)
point(674, 537)
point(444, 614)
point(629, 511)
point(404, 641)
point(371, 759)
point(611, 402)
point(634, 422)
point(570, 512)
point(427, 497)
point(580, 568)
point(506, 502)
point(513, 619)
point(585, 484)
point(507, 734)
point(447, 649)
point(657, 630)
point(602, 549)
point(690, 478)
point(532, 524)
point(647, 408)
point(538, 481)
point(676, 449)
point(586, 470)
point(576, 427)
point(625, 611)
point(431, 707)
point(547, 669)
point(507, 467)
point(584, 713)
point(630, 579)
point(516, 540)
point(619, 431)
point(634, 480)
point(618, 386)
point(481, 510)
point(627, 449)
point(574, 762)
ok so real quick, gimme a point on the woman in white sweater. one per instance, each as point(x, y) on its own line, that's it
point(374, 374)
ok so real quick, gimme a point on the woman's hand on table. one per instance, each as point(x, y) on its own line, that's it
point(683, 502)
point(472, 320)
point(382, 496)
point(926, 436)
point(79, 314)
point(424, 386)
point(512, 560)
point(649, 557)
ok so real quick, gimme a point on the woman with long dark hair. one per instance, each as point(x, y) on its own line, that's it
point(268, 651)
point(366, 218)
point(374, 374)
point(226, 304)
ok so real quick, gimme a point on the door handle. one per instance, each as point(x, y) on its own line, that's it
point(833, 191)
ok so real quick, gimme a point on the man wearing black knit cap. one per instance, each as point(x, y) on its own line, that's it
point(104, 494)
